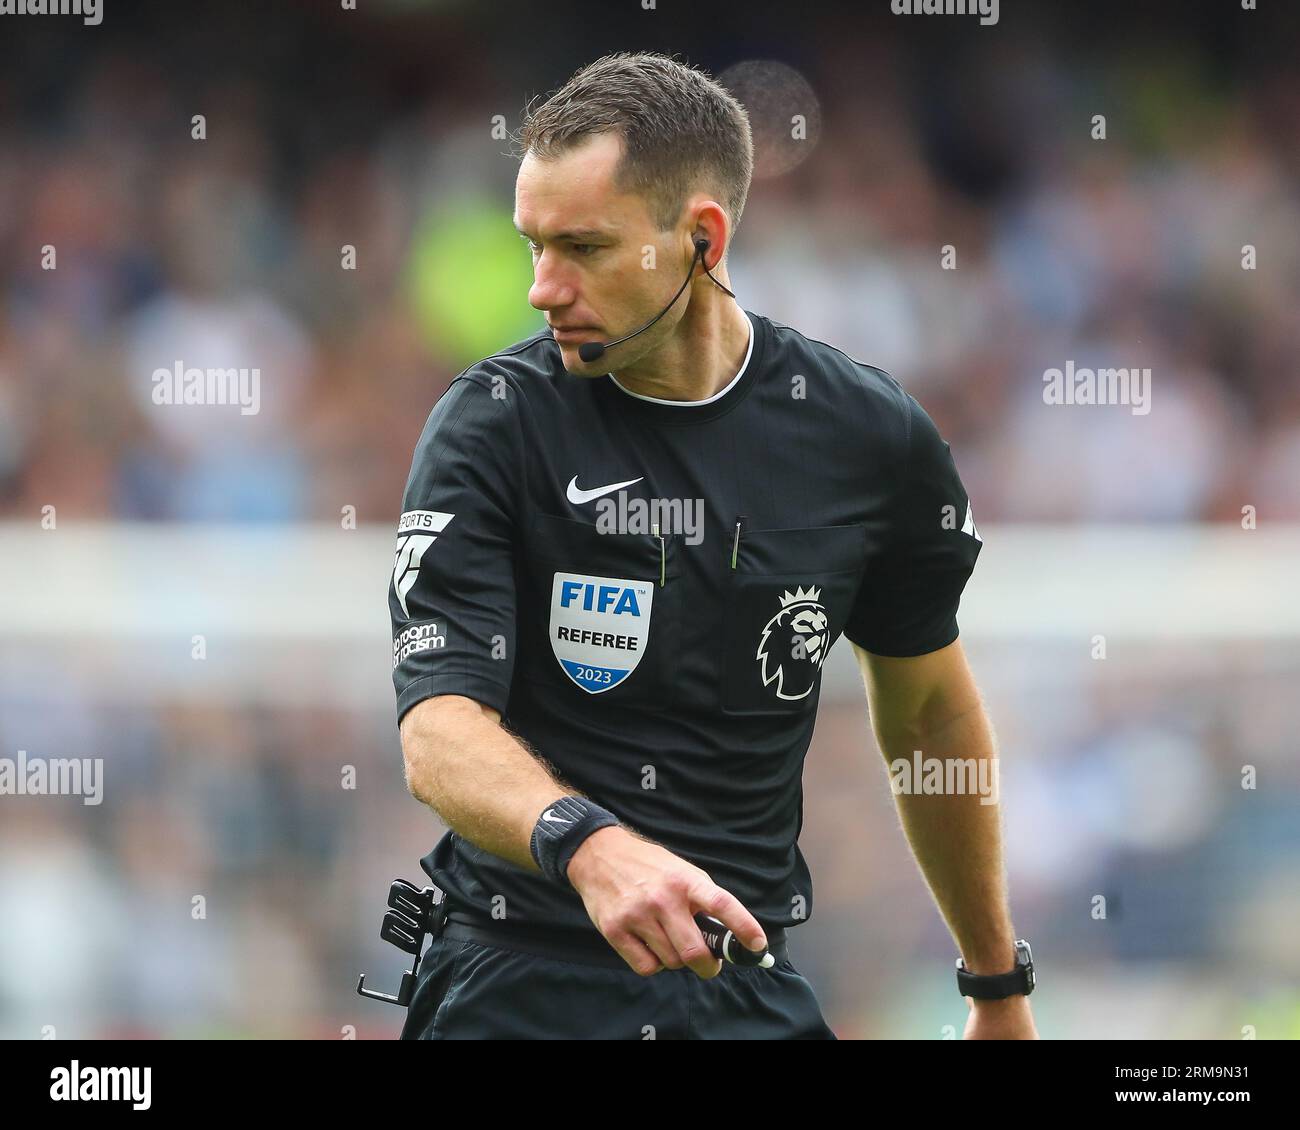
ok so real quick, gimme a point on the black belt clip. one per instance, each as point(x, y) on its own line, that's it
point(412, 914)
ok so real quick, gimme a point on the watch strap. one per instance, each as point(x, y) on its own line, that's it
point(997, 986)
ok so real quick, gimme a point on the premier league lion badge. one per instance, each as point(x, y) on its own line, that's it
point(794, 644)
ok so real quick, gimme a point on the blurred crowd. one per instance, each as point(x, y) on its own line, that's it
point(230, 885)
point(228, 250)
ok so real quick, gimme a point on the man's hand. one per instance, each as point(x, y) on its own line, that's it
point(643, 899)
point(1007, 1019)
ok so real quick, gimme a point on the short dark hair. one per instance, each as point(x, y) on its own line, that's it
point(681, 130)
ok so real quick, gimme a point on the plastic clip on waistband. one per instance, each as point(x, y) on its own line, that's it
point(413, 913)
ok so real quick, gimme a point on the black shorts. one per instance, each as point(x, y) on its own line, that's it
point(467, 990)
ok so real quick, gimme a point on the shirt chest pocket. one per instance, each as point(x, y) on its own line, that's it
point(787, 600)
point(601, 611)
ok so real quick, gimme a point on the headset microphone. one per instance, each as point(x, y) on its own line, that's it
point(592, 350)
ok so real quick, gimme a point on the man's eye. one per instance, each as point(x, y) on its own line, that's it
point(583, 249)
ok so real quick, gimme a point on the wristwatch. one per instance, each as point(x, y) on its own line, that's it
point(996, 986)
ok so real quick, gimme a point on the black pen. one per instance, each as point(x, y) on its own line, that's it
point(725, 945)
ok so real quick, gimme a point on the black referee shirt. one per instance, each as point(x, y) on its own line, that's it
point(673, 677)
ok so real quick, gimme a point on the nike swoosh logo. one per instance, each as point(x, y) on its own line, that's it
point(578, 496)
point(549, 815)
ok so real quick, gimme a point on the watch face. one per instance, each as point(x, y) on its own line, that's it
point(1025, 961)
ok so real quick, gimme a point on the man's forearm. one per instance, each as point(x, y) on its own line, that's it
point(482, 780)
point(957, 840)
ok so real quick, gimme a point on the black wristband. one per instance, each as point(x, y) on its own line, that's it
point(999, 986)
point(560, 830)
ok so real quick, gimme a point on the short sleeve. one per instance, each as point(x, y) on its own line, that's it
point(451, 594)
point(907, 603)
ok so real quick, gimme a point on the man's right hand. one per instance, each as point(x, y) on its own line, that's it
point(643, 900)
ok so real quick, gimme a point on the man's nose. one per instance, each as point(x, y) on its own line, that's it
point(551, 288)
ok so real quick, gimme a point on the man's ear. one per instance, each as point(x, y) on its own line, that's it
point(711, 223)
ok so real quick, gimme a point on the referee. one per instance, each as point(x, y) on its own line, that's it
point(627, 545)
